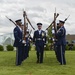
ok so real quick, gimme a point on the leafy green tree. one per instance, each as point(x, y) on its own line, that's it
point(1, 48)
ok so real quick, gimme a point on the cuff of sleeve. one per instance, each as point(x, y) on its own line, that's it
point(20, 40)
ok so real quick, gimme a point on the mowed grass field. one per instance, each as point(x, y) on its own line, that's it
point(30, 67)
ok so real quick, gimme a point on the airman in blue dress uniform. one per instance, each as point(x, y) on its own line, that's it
point(61, 43)
point(39, 39)
point(18, 41)
point(26, 46)
point(55, 43)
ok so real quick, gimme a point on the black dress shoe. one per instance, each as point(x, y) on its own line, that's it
point(37, 61)
point(18, 64)
point(62, 64)
point(41, 62)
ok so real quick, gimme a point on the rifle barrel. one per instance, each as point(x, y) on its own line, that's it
point(6, 17)
point(66, 18)
point(11, 21)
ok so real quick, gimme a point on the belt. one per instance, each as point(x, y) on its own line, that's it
point(38, 39)
point(56, 40)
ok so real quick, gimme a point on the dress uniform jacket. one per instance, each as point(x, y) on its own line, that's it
point(60, 44)
point(61, 35)
point(39, 40)
point(18, 37)
point(18, 44)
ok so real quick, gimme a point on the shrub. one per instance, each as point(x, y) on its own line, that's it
point(1, 48)
point(47, 48)
point(74, 47)
point(9, 48)
point(70, 48)
point(67, 47)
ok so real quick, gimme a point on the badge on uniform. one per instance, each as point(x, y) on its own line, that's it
point(43, 34)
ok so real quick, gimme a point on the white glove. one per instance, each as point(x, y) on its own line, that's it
point(44, 46)
point(30, 40)
point(26, 35)
point(23, 41)
point(34, 45)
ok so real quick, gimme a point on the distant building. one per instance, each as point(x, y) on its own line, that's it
point(70, 38)
point(8, 41)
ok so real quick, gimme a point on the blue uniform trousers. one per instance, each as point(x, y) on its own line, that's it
point(56, 52)
point(61, 54)
point(19, 55)
point(25, 52)
point(39, 53)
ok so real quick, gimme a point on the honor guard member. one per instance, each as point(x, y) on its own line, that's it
point(29, 39)
point(55, 43)
point(39, 39)
point(18, 42)
point(61, 43)
point(27, 45)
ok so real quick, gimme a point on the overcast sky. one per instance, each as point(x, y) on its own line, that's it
point(37, 11)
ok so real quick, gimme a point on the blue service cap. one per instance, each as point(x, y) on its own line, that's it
point(27, 30)
point(18, 20)
point(60, 21)
point(39, 24)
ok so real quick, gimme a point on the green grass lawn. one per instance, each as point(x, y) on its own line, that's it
point(30, 67)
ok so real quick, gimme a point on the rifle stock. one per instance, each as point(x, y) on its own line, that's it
point(24, 29)
point(55, 22)
point(52, 21)
point(29, 21)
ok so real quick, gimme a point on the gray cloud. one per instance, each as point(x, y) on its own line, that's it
point(37, 11)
